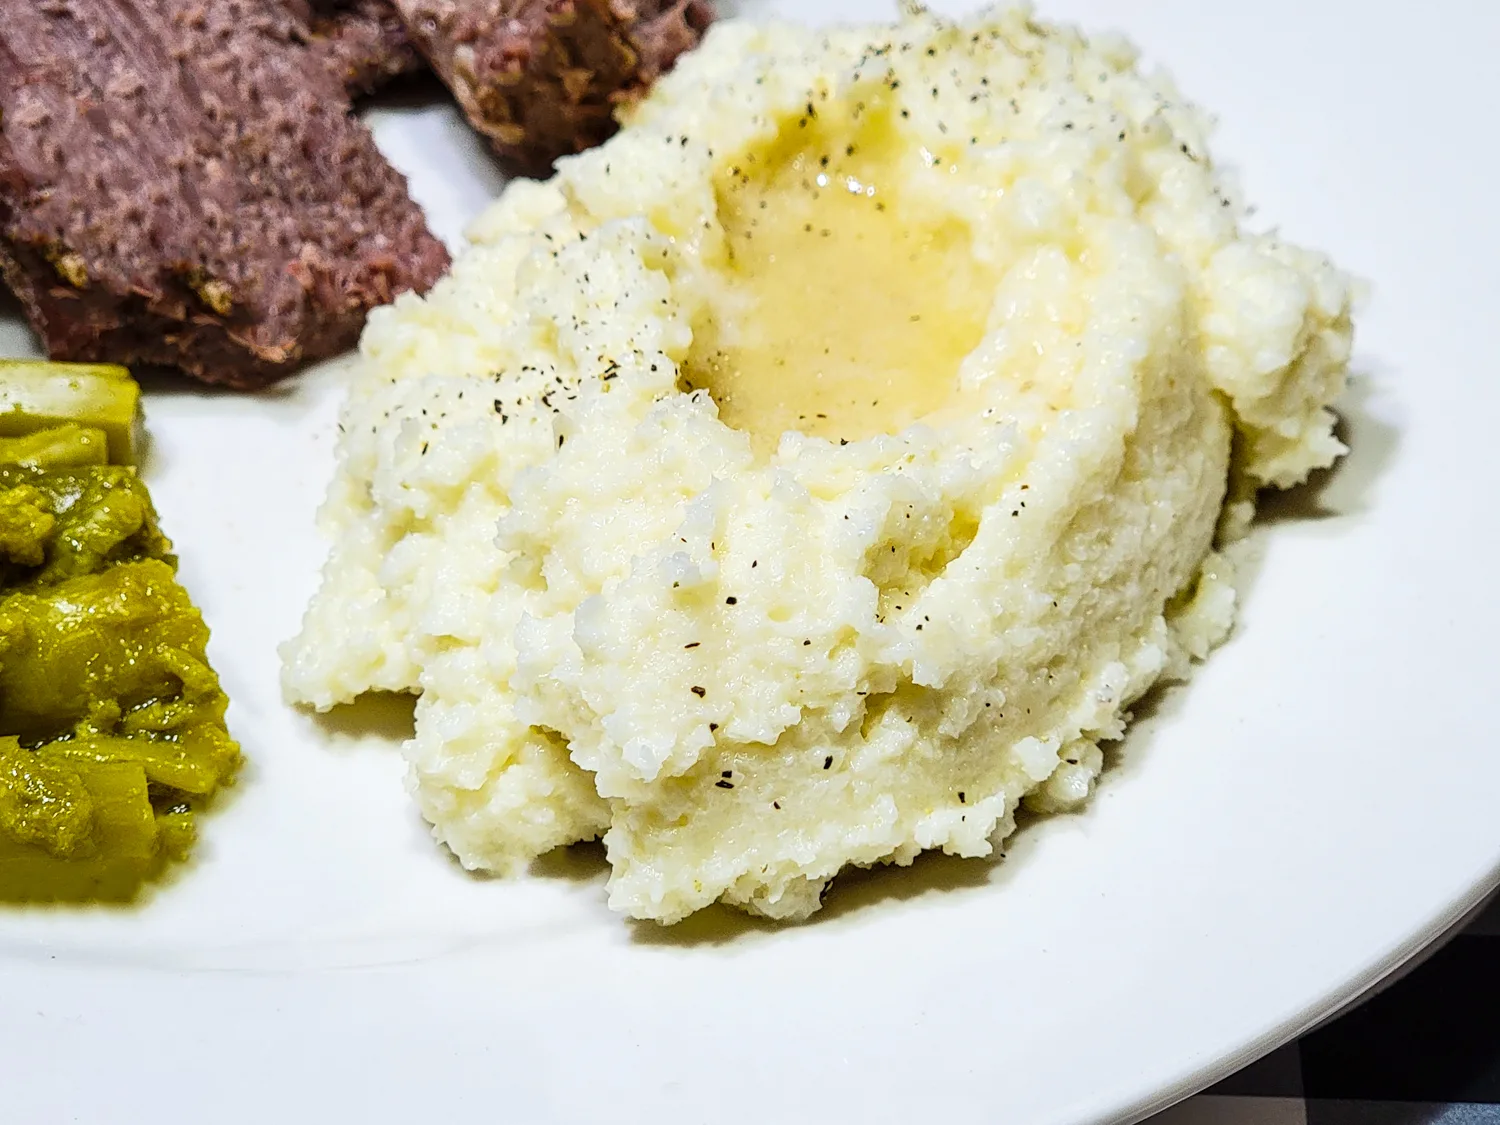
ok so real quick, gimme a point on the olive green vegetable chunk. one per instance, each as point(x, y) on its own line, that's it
point(100, 515)
point(57, 447)
point(73, 833)
point(38, 395)
point(26, 525)
point(177, 830)
point(44, 805)
point(112, 725)
point(120, 652)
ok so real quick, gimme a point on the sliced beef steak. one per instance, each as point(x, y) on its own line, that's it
point(181, 183)
point(541, 78)
point(363, 42)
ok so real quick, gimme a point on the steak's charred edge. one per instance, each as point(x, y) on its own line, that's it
point(173, 327)
point(673, 31)
point(542, 80)
point(93, 325)
point(149, 234)
point(362, 42)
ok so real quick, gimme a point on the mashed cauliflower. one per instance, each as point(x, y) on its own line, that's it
point(822, 466)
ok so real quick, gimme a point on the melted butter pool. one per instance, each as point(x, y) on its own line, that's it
point(841, 312)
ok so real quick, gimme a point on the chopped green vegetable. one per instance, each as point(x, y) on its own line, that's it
point(26, 524)
point(111, 720)
point(191, 766)
point(73, 833)
point(43, 804)
point(99, 515)
point(100, 647)
point(177, 830)
point(36, 395)
point(57, 447)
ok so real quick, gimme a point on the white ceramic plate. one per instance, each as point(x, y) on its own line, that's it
point(1319, 803)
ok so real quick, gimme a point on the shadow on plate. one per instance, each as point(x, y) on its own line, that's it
point(10, 306)
point(1343, 489)
point(577, 863)
point(857, 890)
point(383, 716)
point(168, 382)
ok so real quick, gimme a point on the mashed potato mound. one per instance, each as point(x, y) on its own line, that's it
point(820, 467)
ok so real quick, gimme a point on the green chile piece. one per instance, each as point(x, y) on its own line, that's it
point(73, 833)
point(194, 765)
point(123, 647)
point(111, 720)
point(101, 514)
point(58, 447)
point(37, 395)
point(26, 525)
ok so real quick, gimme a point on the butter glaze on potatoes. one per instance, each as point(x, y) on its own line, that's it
point(822, 466)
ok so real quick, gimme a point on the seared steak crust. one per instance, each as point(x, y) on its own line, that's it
point(181, 184)
point(363, 42)
point(541, 78)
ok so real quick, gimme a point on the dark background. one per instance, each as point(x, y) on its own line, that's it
point(1423, 1051)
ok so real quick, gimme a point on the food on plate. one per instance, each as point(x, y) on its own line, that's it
point(822, 466)
point(543, 79)
point(111, 720)
point(37, 399)
point(65, 446)
point(362, 42)
point(183, 184)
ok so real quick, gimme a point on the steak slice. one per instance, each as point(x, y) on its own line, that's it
point(541, 78)
point(182, 184)
point(363, 42)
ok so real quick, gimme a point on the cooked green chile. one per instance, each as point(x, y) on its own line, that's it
point(111, 720)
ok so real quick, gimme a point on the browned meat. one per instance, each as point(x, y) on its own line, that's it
point(363, 42)
point(541, 78)
point(181, 185)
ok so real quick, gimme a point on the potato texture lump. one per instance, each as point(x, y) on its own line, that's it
point(762, 551)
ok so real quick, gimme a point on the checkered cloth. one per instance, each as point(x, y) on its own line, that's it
point(1425, 1051)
